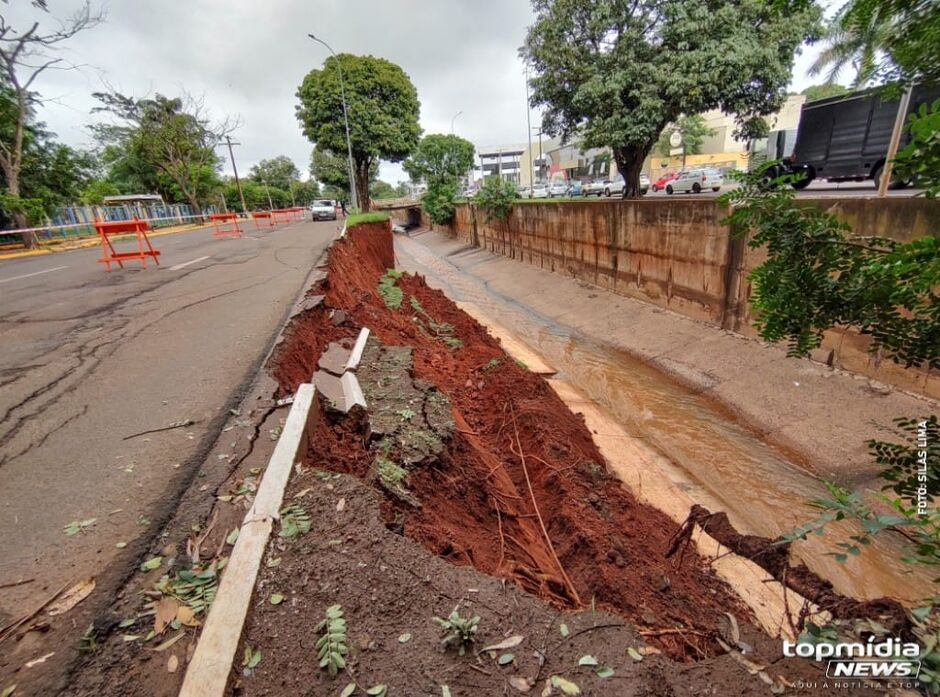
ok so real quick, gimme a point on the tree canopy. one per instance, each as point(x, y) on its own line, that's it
point(440, 157)
point(382, 106)
point(616, 72)
point(279, 171)
point(814, 92)
point(330, 170)
point(166, 141)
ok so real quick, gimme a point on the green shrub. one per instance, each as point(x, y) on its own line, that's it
point(438, 202)
point(496, 197)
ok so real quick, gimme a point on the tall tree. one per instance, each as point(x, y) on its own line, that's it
point(440, 157)
point(382, 105)
point(853, 43)
point(615, 72)
point(24, 56)
point(173, 137)
point(691, 128)
point(279, 171)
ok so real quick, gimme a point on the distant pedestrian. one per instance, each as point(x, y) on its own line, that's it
point(342, 204)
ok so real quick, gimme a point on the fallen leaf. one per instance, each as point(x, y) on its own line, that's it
point(185, 615)
point(232, 537)
point(7, 691)
point(41, 659)
point(604, 671)
point(169, 642)
point(735, 631)
point(377, 691)
point(151, 564)
point(304, 492)
point(505, 659)
point(172, 664)
point(406, 637)
point(273, 562)
point(521, 684)
point(341, 504)
point(634, 654)
point(121, 545)
point(276, 598)
point(72, 597)
point(587, 660)
point(131, 637)
point(566, 686)
point(348, 690)
point(563, 628)
point(225, 497)
point(509, 643)
point(445, 691)
point(165, 611)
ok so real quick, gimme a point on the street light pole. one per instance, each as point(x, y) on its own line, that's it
point(456, 173)
point(353, 198)
point(528, 123)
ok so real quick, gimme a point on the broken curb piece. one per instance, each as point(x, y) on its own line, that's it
point(357, 350)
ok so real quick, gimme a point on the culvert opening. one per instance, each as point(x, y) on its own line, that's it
point(482, 463)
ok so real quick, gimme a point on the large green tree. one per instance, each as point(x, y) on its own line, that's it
point(167, 140)
point(615, 72)
point(279, 171)
point(440, 157)
point(382, 105)
point(814, 92)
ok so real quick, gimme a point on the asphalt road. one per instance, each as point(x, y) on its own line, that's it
point(89, 357)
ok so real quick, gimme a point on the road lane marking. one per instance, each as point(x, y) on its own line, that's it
point(186, 263)
point(35, 273)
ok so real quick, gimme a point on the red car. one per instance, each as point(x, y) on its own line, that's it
point(660, 183)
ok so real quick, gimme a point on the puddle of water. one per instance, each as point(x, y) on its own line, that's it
point(726, 466)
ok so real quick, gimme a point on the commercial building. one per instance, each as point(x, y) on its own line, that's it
point(501, 160)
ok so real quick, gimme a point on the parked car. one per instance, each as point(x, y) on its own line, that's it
point(660, 183)
point(469, 193)
point(595, 188)
point(523, 192)
point(323, 209)
point(540, 190)
point(559, 187)
point(576, 188)
point(695, 181)
point(615, 185)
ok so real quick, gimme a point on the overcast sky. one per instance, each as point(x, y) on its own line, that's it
point(247, 57)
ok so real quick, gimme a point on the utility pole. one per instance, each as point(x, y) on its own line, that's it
point(238, 184)
point(456, 173)
point(528, 123)
point(894, 142)
point(268, 192)
point(353, 199)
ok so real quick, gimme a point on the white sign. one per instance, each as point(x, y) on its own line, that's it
point(676, 151)
point(675, 140)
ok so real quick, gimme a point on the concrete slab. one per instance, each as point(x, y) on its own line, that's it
point(334, 359)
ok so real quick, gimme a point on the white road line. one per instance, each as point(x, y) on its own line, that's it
point(35, 273)
point(185, 264)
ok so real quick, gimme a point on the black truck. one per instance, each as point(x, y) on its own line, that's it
point(844, 138)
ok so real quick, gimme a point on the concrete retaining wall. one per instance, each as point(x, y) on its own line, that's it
point(676, 253)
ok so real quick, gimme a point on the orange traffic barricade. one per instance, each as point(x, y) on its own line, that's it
point(262, 219)
point(282, 215)
point(225, 224)
point(136, 227)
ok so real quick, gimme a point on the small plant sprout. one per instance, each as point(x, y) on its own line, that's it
point(458, 631)
point(331, 646)
point(295, 521)
point(77, 526)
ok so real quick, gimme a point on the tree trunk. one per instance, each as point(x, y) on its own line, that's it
point(362, 184)
point(630, 163)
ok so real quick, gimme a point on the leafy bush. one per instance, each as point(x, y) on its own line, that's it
point(438, 202)
point(496, 197)
point(920, 159)
point(458, 631)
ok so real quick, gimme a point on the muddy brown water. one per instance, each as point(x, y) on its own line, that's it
point(724, 465)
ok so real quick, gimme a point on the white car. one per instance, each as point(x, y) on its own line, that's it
point(595, 188)
point(696, 181)
point(615, 185)
point(540, 190)
point(323, 209)
point(558, 188)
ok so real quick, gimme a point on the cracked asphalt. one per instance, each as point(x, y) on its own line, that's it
point(88, 358)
